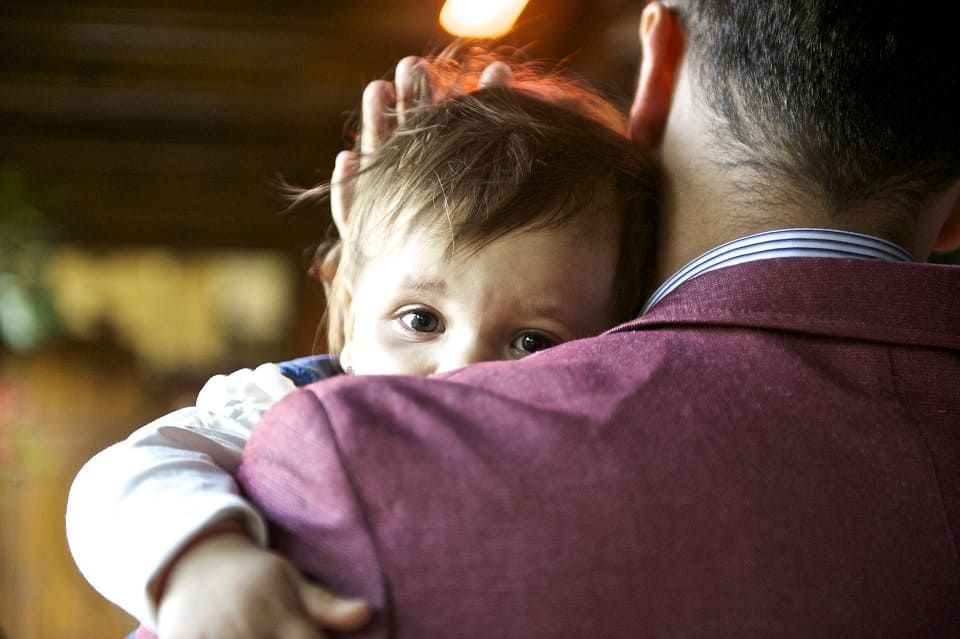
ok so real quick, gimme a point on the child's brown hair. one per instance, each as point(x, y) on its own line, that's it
point(481, 163)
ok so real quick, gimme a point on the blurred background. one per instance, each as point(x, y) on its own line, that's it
point(141, 249)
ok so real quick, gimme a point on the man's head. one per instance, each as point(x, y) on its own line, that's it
point(842, 107)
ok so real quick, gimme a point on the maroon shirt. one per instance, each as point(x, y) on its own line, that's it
point(773, 451)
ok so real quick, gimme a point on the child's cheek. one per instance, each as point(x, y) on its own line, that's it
point(381, 349)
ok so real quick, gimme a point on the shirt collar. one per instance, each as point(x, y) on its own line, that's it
point(804, 242)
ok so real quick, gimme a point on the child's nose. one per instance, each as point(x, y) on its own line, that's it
point(467, 352)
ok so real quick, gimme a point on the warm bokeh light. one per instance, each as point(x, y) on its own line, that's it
point(480, 18)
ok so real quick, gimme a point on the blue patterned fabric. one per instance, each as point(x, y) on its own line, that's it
point(307, 370)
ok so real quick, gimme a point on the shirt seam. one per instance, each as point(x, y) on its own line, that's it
point(737, 315)
point(931, 459)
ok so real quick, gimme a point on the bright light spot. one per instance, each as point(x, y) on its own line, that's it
point(480, 18)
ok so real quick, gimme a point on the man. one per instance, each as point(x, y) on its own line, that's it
point(772, 449)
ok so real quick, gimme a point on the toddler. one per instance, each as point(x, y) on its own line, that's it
point(494, 222)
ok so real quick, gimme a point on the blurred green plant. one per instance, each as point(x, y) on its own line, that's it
point(27, 318)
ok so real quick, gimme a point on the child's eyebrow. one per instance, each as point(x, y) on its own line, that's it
point(423, 285)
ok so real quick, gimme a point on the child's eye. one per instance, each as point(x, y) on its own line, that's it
point(531, 342)
point(421, 321)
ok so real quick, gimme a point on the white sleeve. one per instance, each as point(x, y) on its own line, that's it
point(135, 504)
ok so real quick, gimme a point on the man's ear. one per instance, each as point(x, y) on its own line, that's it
point(662, 36)
point(948, 239)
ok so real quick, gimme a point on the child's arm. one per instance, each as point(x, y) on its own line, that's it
point(136, 504)
point(226, 587)
point(156, 523)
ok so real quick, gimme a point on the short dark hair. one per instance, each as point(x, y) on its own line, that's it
point(482, 163)
point(852, 101)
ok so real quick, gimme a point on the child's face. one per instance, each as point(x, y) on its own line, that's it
point(417, 312)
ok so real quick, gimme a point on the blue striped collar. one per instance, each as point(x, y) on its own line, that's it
point(783, 243)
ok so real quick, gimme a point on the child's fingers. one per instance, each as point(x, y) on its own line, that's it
point(496, 74)
point(386, 105)
point(333, 612)
point(414, 85)
point(342, 187)
point(377, 118)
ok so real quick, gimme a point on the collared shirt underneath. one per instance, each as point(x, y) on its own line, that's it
point(802, 242)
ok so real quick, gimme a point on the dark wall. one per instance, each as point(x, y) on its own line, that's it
point(161, 122)
point(155, 123)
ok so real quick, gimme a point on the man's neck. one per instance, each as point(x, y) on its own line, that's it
point(689, 229)
point(700, 206)
point(700, 209)
point(703, 205)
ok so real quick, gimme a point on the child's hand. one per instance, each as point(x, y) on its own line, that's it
point(228, 587)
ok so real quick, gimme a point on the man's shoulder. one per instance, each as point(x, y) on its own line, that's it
point(873, 300)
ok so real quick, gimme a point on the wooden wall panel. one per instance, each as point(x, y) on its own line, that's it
point(69, 402)
point(121, 106)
